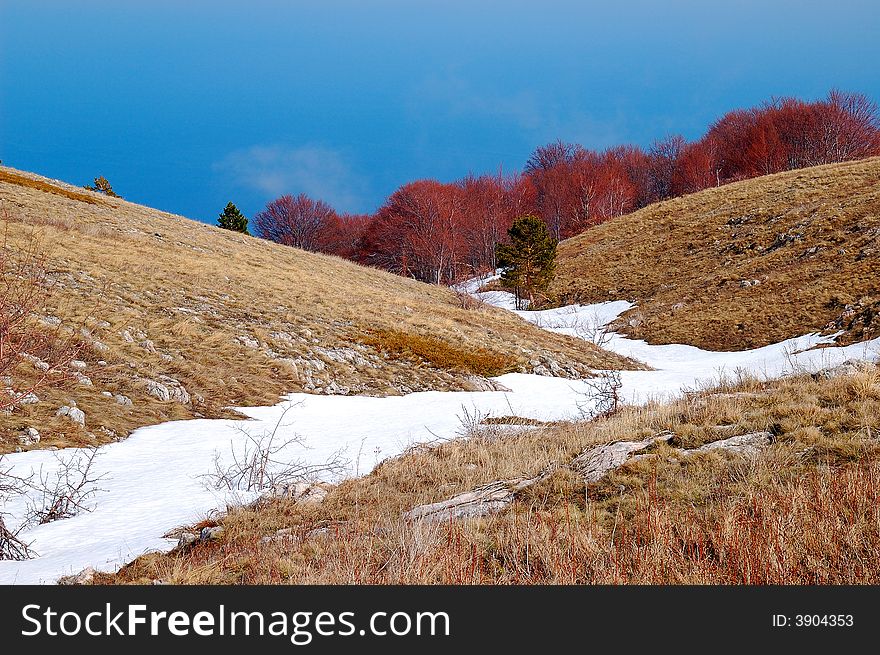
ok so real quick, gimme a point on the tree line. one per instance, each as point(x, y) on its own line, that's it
point(443, 232)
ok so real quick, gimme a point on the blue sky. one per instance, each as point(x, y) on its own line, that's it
point(187, 105)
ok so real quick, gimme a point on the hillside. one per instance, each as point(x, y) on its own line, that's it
point(743, 265)
point(184, 319)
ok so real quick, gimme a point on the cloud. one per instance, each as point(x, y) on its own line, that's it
point(274, 170)
point(536, 117)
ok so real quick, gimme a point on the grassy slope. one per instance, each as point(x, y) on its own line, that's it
point(185, 292)
point(805, 511)
point(810, 238)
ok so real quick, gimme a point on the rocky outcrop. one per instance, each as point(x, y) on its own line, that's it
point(482, 501)
point(29, 437)
point(84, 577)
point(72, 413)
point(166, 389)
point(847, 368)
point(595, 461)
point(309, 493)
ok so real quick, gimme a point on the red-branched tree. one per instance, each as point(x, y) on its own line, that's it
point(418, 232)
point(295, 221)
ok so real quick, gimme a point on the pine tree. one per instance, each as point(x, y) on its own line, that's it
point(529, 260)
point(102, 185)
point(232, 219)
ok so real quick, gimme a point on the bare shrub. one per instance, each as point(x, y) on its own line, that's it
point(257, 465)
point(25, 287)
point(466, 300)
point(11, 547)
point(65, 493)
point(601, 397)
point(593, 330)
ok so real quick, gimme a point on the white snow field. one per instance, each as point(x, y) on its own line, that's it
point(152, 479)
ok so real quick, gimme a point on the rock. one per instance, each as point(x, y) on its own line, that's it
point(478, 383)
point(72, 413)
point(125, 401)
point(29, 437)
point(744, 444)
point(148, 345)
point(82, 379)
point(78, 365)
point(847, 368)
point(595, 461)
point(247, 341)
point(186, 539)
point(126, 336)
point(167, 389)
point(482, 501)
point(28, 399)
point(86, 576)
point(107, 393)
point(211, 533)
point(284, 534)
point(37, 363)
point(309, 493)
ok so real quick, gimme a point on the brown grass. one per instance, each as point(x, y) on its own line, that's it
point(238, 320)
point(809, 238)
point(806, 511)
point(442, 354)
point(13, 177)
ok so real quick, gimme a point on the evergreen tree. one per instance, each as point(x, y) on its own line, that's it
point(102, 185)
point(529, 260)
point(232, 219)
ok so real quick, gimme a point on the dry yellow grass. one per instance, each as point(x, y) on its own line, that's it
point(237, 320)
point(743, 265)
point(806, 511)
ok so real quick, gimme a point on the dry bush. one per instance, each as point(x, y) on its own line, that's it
point(11, 485)
point(25, 288)
point(601, 397)
point(258, 465)
point(67, 491)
